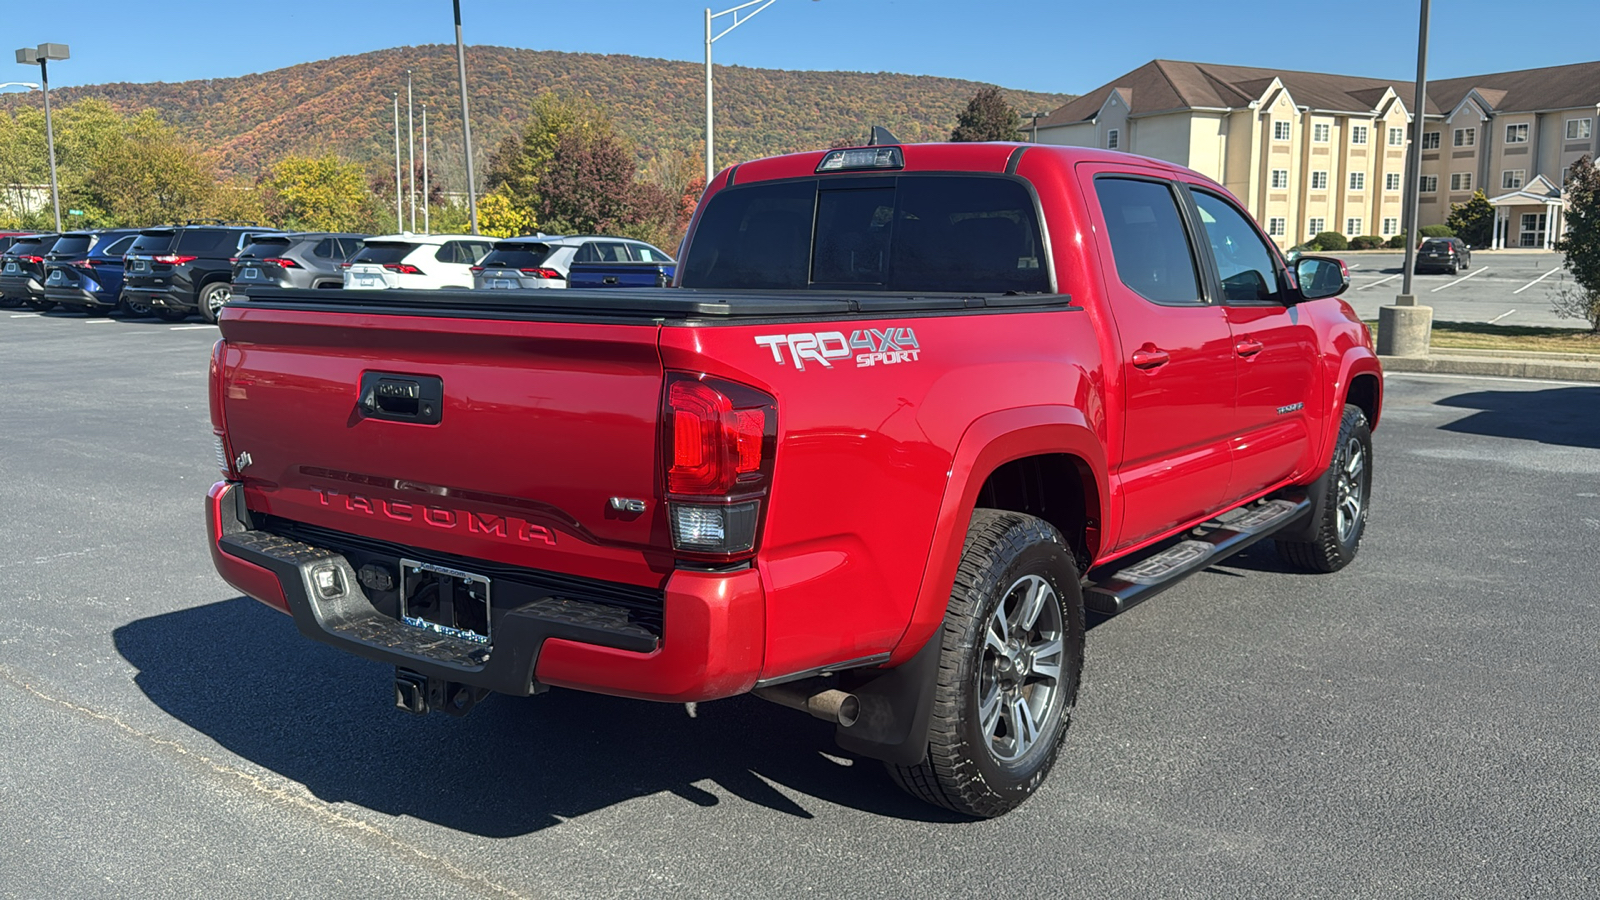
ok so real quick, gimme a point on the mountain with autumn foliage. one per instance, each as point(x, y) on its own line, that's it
point(346, 105)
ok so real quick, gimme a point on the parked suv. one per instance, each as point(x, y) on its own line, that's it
point(545, 261)
point(1444, 253)
point(185, 268)
point(416, 261)
point(305, 260)
point(22, 271)
point(83, 271)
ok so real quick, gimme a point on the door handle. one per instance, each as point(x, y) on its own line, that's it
point(1150, 358)
point(1248, 348)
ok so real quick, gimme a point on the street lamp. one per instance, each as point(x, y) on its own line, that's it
point(40, 56)
point(1034, 128)
point(466, 123)
point(737, 21)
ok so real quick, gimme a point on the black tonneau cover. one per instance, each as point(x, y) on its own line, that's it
point(646, 303)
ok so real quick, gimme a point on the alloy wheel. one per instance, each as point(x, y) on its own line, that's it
point(1019, 675)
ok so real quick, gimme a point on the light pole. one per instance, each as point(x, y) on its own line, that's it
point(1404, 329)
point(426, 228)
point(1033, 128)
point(40, 56)
point(399, 193)
point(411, 153)
point(759, 5)
point(466, 121)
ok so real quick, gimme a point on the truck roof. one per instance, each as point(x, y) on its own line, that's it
point(994, 156)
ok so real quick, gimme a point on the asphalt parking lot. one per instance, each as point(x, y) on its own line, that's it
point(1507, 287)
point(1419, 725)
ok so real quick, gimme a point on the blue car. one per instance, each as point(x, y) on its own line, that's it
point(83, 271)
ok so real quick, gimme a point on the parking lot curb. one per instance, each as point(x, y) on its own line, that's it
point(1580, 368)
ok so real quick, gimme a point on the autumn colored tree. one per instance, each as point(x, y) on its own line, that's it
point(589, 187)
point(1473, 221)
point(498, 217)
point(147, 174)
point(1581, 244)
point(988, 117)
point(321, 193)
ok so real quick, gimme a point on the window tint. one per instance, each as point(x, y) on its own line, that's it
point(151, 243)
point(349, 246)
point(324, 249)
point(647, 253)
point(205, 242)
point(1243, 261)
point(919, 233)
point(118, 247)
point(72, 245)
point(517, 256)
point(1148, 240)
point(265, 246)
point(384, 252)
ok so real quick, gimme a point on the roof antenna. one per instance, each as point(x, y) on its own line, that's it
point(881, 135)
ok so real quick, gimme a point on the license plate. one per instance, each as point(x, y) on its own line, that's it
point(139, 265)
point(252, 273)
point(503, 284)
point(366, 281)
point(55, 277)
point(11, 267)
point(444, 600)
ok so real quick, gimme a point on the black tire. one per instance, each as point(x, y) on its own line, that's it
point(966, 768)
point(1349, 487)
point(10, 302)
point(135, 309)
point(170, 315)
point(40, 305)
point(212, 296)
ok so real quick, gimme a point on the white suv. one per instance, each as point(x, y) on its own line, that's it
point(416, 261)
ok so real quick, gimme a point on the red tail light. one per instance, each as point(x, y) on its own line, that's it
point(172, 259)
point(32, 259)
point(721, 439)
point(344, 265)
point(281, 261)
point(477, 270)
point(219, 429)
point(542, 272)
point(403, 268)
point(233, 259)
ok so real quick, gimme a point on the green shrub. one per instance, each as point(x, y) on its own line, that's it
point(1366, 242)
point(1307, 247)
point(1331, 241)
point(1398, 242)
point(1438, 231)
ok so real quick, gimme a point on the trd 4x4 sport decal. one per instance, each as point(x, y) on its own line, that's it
point(882, 348)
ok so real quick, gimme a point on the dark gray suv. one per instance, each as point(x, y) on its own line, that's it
point(303, 260)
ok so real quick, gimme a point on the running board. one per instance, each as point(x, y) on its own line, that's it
point(1118, 586)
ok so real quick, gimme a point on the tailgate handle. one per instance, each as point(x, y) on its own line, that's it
point(609, 279)
point(402, 398)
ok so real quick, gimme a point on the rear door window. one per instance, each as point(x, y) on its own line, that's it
point(648, 254)
point(117, 247)
point(1244, 263)
point(922, 233)
point(1148, 241)
point(204, 242)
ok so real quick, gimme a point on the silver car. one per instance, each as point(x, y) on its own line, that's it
point(543, 260)
point(304, 260)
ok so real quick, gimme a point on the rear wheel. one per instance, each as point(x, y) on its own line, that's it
point(40, 305)
point(1349, 492)
point(139, 309)
point(9, 302)
point(212, 297)
point(1011, 655)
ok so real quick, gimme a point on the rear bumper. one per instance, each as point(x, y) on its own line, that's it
point(21, 287)
point(710, 646)
point(80, 297)
point(161, 298)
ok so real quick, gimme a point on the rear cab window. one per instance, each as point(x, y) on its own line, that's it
point(923, 233)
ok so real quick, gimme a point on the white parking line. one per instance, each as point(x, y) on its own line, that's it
point(1353, 266)
point(189, 327)
point(1380, 281)
point(1536, 280)
point(98, 321)
point(1459, 280)
point(22, 315)
point(1501, 316)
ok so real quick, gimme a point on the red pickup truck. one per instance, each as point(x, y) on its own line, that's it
point(908, 414)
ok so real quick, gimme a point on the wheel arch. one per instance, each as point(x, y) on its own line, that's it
point(1037, 460)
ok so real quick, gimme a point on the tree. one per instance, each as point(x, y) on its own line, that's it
point(988, 117)
point(148, 175)
point(1473, 221)
point(1581, 245)
point(497, 216)
point(321, 193)
point(588, 186)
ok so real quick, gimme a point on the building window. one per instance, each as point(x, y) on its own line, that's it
point(1430, 140)
point(1466, 137)
point(1316, 225)
point(1276, 227)
point(1391, 225)
point(1460, 181)
point(1511, 179)
point(1280, 131)
point(1319, 181)
point(1579, 129)
point(1517, 134)
point(1358, 181)
point(1320, 133)
point(1429, 184)
point(1280, 178)
point(1391, 181)
point(1352, 227)
point(1358, 134)
point(1397, 137)
point(1113, 139)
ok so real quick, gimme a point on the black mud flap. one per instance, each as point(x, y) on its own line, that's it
point(896, 706)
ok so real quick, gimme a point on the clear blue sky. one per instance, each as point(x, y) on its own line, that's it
point(1045, 45)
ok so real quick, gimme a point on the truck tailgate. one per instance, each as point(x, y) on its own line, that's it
point(478, 438)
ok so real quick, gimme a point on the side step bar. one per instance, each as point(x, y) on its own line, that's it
point(1123, 584)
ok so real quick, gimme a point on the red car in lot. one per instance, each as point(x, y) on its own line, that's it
point(909, 414)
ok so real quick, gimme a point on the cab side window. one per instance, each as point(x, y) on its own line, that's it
point(1244, 263)
point(1148, 241)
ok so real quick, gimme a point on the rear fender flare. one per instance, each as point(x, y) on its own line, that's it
point(988, 443)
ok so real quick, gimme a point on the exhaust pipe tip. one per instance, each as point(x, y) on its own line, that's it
point(831, 705)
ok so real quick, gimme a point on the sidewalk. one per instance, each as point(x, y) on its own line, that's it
point(1501, 364)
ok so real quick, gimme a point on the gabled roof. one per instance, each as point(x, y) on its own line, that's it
point(1539, 190)
point(1161, 85)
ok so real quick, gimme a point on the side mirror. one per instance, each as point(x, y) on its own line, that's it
point(1320, 277)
